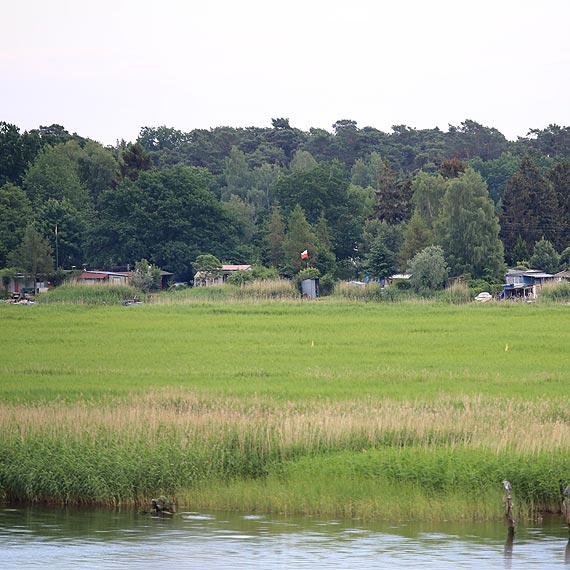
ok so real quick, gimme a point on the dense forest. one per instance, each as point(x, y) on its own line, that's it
point(361, 201)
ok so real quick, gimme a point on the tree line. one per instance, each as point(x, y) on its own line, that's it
point(362, 202)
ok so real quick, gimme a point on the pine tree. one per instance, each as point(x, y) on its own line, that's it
point(530, 208)
point(559, 176)
point(275, 238)
point(393, 198)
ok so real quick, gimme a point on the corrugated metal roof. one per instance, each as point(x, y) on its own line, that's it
point(540, 275)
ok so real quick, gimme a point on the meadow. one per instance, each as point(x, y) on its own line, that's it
point(411, 410)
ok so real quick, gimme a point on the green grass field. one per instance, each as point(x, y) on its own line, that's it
point(398, 411)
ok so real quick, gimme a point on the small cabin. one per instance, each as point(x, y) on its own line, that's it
point(203, 279)
point(106, 277)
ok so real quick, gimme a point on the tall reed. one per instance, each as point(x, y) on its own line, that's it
point(124, 450)
point(99, 294)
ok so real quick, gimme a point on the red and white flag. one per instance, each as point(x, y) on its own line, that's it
point(305, 255)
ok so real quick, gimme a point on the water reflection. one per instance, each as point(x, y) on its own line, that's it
point(509, 548)
point(99, 538)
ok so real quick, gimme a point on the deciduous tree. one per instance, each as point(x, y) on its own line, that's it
point(15, 215)
point(468, 229)
point(34, 254)
point(299, 237)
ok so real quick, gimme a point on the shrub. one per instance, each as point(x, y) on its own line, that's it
point(326, 284)
point(256, 273)
point(429, 269)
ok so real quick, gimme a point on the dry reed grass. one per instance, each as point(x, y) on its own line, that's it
point(492, 424)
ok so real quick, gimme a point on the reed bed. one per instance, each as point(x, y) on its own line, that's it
point(100, 294)
point(250, 291)
point(343, 456)
point(492, 424)
point(555, 293)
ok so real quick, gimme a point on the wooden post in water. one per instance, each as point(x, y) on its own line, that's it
point(566, 506)
point(508, 504)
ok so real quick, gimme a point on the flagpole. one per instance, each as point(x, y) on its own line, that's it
point(56, 250)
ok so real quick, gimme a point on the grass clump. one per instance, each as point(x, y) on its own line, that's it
point(254, 290)
point(80, 294)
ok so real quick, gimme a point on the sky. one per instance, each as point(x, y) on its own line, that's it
point(106, 68)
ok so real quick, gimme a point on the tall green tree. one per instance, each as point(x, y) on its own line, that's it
point(393, 198)
point(324, 189)
point(380, 262)
point(133, 160)
point(71, 223)
point(262, 195)
point(15, 215)
point(299, 237)
point(168, 216)
point(496, 172)
point(243, 220)
point(559, 176)
point(468, 229)
point(237, 175)
point(325, 258)
point(34, 254)
point(530, 208)
point(370, 171)
point(275, 238)
point(302, 161)
point(428, 191)
point(16, 151)
point(545, 257)
point(55, 174)
point(97, 168)
point(417, 236)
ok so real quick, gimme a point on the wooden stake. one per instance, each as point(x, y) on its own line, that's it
point(508, 505)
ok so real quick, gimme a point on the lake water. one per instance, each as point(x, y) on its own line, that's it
point(79, 539)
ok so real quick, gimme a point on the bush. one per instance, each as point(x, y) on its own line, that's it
point(326, 285)
point(256, 273)
point(403, 285)
point(429, 269)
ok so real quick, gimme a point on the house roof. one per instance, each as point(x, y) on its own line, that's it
point(235, 267)
point(93, 275)
point(540, 275)
point(102, 274)
point(529, 273)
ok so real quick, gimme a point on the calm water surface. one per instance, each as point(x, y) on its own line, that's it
point(40, 537)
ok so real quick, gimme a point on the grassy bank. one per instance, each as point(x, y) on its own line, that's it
point(389, 411)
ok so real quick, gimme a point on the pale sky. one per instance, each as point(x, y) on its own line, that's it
point(106, 68)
